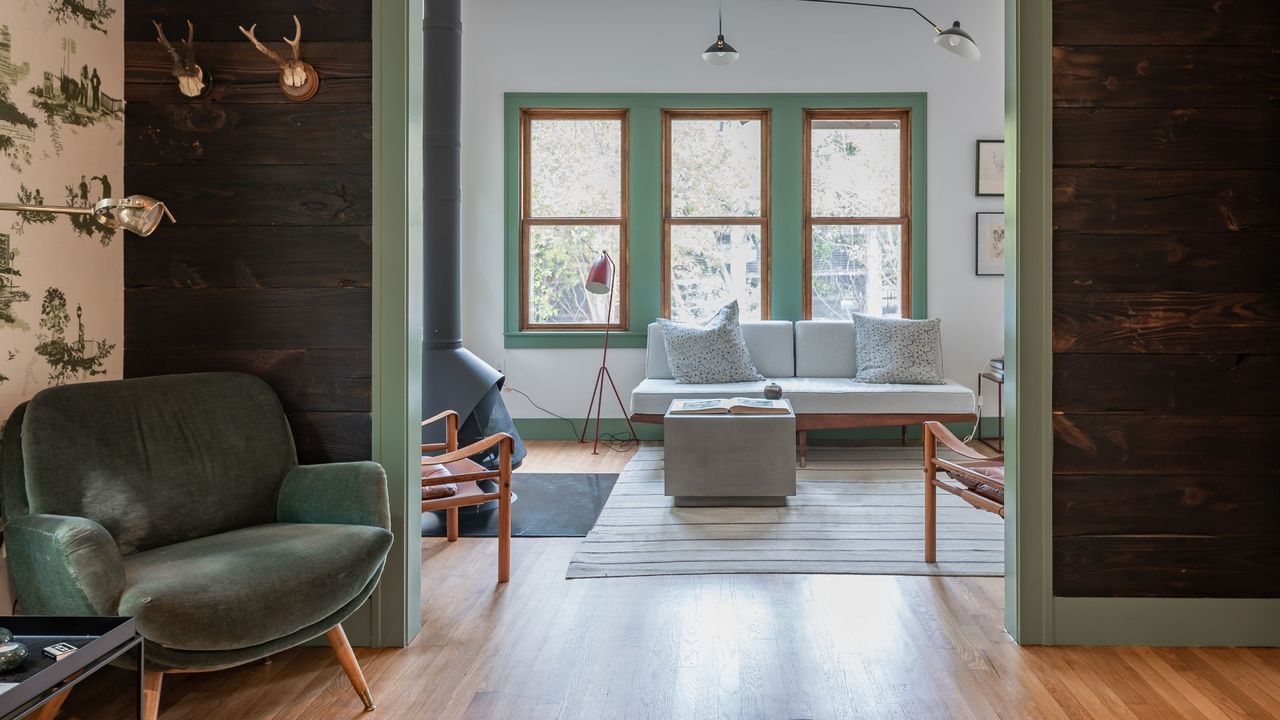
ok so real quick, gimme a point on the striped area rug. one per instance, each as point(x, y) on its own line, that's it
point(857, 511)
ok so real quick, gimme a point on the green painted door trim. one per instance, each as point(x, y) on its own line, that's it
point(1029, 321)
point(397, 309)
point(645, 228)
point(1167, 621)
point(1033, 615)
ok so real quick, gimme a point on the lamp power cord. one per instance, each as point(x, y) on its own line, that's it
point(618, 442)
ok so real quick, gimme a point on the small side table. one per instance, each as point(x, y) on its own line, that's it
point(730, 460)
point(999, 438)
point(41, 684)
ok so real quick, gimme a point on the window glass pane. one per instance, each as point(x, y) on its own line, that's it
point(575, 168)
point(856, 269)
point(559, 257)
point(856, 168)
point(712, 265)
point(715, 168)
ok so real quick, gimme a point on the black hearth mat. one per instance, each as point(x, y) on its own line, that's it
point(547, 505)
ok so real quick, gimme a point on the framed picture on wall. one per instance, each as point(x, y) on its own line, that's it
point(990, 243)
point(990, 167)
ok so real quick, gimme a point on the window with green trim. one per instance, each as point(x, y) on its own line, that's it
point(715, 202)
point(798, 205)
point(857, 213)
point(573, 206)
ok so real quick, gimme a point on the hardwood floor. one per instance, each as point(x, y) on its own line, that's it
point(701, 647)
point(570, 456)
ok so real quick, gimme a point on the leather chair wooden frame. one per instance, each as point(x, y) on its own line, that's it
point(455, 467)
point(978, 481)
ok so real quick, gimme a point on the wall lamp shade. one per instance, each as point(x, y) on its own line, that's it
point(138, 214)
point(600, 276)
point(720, 53)
point(955, 40)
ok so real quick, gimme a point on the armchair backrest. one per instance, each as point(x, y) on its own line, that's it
point(154, 460)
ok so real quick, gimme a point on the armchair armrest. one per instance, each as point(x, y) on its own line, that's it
point(64, 565)
point(352, 493)
point(473, 449)
point(953, 443)
point(450, 433)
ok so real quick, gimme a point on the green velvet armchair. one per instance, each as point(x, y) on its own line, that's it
point(178, 500)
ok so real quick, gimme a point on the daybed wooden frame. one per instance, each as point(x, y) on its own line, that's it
point(839, 421)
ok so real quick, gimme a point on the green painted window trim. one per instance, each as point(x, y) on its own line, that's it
point(645, 225)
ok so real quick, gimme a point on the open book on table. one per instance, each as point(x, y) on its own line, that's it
point(736, 406)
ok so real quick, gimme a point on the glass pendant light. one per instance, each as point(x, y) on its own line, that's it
point(720, 52)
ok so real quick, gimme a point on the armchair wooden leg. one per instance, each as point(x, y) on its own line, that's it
point(151, 680)
point(802, 441)
point(930, 497)
point(504, 515)
point(49, 710)
point(452, 524)
point(347, 659)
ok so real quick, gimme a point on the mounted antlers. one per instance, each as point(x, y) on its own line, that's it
point(190, 75)
point(298, 80)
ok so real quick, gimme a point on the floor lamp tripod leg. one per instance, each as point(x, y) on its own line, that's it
point(594, 390)
point(625, 414)
point(595, 447)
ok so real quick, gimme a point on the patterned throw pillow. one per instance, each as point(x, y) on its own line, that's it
point(897, 350)
point(714, 352)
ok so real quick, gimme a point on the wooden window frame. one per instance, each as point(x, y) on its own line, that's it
point(764, 115)
point(621, 278)
point(903, 115)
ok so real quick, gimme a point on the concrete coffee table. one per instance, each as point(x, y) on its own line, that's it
point(730, 459)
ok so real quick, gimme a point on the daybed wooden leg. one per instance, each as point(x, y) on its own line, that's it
point(151, 680)
point(904, 435)
point(451, 524)
point(802, 442)
point(49, 710)
point(930, 497)
point(347, 659)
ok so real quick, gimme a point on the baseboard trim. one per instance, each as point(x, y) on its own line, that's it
point(1177, 622)
point(556, 429)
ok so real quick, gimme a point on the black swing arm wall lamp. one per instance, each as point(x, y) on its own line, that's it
point(952, 39)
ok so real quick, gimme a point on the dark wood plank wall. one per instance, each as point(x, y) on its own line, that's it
point(1166, 298)
point(269, 270)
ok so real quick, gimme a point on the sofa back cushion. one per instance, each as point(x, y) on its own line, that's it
point(158, 460)
point(770, 343)
point(826, 349)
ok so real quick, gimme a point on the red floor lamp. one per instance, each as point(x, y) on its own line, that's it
point(599, 282)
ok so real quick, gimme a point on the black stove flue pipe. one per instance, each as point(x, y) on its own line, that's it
point(454, 378)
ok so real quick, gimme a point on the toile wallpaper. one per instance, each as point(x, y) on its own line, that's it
point(61, 143)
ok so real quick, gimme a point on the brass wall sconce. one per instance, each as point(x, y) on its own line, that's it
point(138, 214)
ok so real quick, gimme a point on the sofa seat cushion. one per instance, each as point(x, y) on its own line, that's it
point(245, 587)
point(840, 396)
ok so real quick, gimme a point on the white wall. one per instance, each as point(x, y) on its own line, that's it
point(787, 46)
